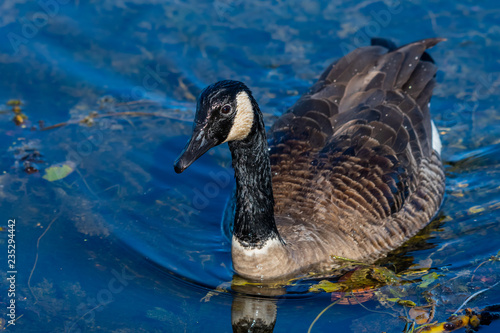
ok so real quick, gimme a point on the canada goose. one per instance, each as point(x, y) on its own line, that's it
point(352, 169)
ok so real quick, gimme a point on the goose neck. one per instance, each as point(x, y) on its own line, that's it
point(254, 221)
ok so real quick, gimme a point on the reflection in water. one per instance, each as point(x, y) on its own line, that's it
point(255, 314)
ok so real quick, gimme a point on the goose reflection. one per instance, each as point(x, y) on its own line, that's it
point(254, 308)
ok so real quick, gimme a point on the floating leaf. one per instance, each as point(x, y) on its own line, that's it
point(59, 171)
point(474, 321)
point(428, 279)
point(412, 273)
point(384, 275)
point(402, 302)
point(326, 286)
point(19, 119)
point(14, 102)
point(408, 303)
point(358, 278)
point(453, 323)
point(419, 315)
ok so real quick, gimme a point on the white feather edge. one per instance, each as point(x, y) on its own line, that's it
point(436, 140)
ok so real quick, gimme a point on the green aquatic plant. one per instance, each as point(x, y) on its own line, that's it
point(59, 171)
point(19, 116)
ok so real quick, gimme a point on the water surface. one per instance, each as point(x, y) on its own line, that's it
point(123, 244)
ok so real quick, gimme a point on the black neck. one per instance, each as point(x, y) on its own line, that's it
point(254, 219)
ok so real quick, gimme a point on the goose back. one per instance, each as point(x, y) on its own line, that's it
point(353, 165)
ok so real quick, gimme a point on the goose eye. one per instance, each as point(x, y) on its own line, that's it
point(225, 109)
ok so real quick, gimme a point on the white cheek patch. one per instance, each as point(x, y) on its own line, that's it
point(243, 121)
point(436, 141)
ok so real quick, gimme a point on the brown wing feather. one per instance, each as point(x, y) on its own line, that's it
point(358, 144)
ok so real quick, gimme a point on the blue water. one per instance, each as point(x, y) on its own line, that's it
point(123, 244)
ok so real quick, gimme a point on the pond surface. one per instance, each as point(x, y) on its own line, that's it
point(123, 244)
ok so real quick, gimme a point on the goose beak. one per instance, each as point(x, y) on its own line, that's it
point(197, 146)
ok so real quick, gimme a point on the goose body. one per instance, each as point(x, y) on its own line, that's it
point(353, 169)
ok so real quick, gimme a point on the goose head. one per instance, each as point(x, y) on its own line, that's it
point(225, 112)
